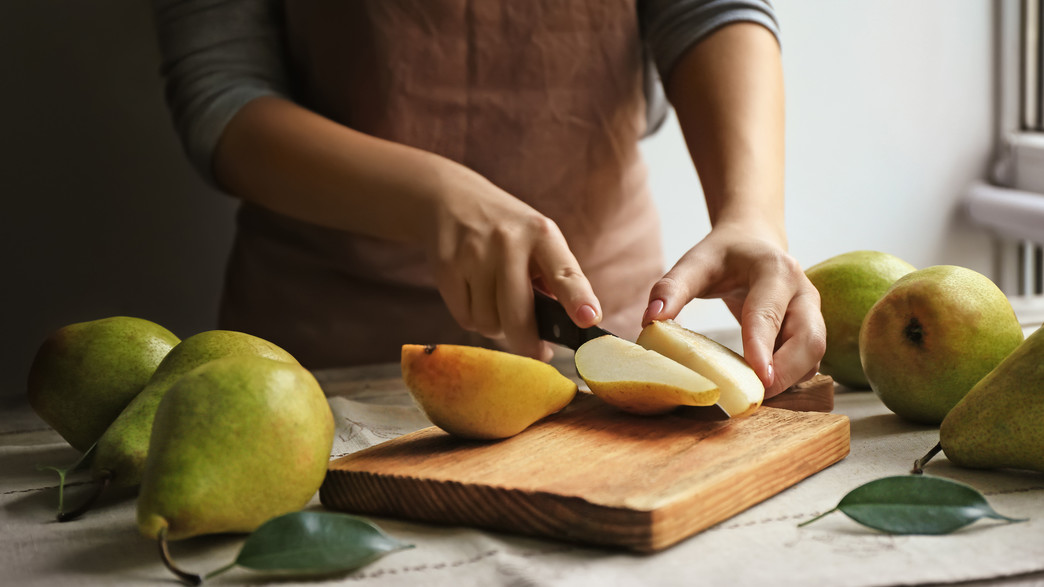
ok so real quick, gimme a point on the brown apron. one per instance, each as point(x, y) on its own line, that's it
point(543, 98)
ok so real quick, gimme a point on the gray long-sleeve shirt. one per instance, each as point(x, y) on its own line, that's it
point(218, 55)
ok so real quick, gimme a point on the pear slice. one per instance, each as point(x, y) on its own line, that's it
point(640, 381)
point(480, 393)
point(741, 390)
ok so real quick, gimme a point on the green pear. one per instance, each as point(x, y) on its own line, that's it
point(933, 335)
point(1000, 423)
point(121, 450)
point(86, 373)
point(235, 442)
point(849, 285)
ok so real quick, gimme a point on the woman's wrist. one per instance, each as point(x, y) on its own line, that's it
point(752, 224)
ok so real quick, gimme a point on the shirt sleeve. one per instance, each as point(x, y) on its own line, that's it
point(217, 55)
point(670, 27)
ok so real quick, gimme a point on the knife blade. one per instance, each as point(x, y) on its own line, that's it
point(554, 325)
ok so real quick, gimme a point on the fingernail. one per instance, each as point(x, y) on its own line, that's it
point(654, 309)
point(771, 375)
point(586, 313)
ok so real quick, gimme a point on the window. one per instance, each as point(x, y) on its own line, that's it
point(1012, 204)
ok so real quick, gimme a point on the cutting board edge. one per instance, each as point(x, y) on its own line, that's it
point(559, 509)
point(562, 517)
point(666, 532)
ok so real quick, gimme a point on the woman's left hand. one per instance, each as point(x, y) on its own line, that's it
point(765, 289)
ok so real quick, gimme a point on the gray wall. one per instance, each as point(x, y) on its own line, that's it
point(103, 215)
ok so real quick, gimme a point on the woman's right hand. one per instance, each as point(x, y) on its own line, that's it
point(486, 247)
point(487, 250)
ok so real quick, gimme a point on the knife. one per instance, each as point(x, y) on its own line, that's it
point(555, 325)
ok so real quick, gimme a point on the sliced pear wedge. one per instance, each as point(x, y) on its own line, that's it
point(640, 381)
point(475, 392)
point(741, 390)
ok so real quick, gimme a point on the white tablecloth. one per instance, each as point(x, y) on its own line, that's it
point(761, 546)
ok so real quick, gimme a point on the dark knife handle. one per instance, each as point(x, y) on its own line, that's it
point(555, 325)
point(550, 317)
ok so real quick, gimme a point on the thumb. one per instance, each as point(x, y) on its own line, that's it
point(679, 286)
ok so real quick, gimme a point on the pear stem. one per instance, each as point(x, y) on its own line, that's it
point(99, 487)
point(190, 578)
point(919, 464)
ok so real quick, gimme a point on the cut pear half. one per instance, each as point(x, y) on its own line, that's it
point(640, 381)
point(741, 390)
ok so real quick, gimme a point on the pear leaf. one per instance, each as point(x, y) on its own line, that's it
point(915, 504)
point(314, 543)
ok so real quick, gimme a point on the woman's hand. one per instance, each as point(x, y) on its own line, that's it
point(728, 93)
point(765, 289)
point(487, 248)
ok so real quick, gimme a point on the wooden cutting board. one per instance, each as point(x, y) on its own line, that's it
point(591, 473)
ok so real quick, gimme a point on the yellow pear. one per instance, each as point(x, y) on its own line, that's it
point(933, 335)
point(849, 284)
point(475, 392)
point(638, 380)
point(741, 390)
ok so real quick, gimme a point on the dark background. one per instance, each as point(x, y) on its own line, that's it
point(103, 215)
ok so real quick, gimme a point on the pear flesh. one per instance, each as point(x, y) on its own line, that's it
point(121, 450)
point(234, 443)
point(86, 373)
point(1000, 422)
point(741, 390)
point(638, 380)
point(480, 393)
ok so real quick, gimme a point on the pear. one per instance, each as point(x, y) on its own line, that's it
point(639, 380)
point(480, 393)
point(122, 449)
point(849, 285)
point(235, 442)
point(1000, 422)
point(933, 335)
point(84, 374)
point(740, 387)
point(119, 456)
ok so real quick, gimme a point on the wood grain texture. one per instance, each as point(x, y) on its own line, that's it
point(591, 473)
point(814, 395)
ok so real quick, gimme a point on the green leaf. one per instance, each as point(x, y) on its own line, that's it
point(315, 543)
point(915, 504)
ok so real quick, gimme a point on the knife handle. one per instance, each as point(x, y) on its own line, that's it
point(550, 316)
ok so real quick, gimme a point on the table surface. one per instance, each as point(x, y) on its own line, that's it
point(762, 545)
